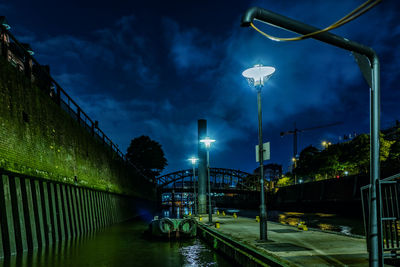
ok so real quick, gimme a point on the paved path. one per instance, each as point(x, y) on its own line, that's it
point(302, 248)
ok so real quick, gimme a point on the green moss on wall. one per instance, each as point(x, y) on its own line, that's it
point(38, 138)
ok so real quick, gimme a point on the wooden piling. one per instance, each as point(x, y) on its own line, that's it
point(6, 212)
point(30, 223)
point(53, 211)
point(18, 213)
point(37, 206)
point(48, 226)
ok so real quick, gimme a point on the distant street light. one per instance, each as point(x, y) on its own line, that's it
point(294, 160)
point(193, 160)
point(325, 144)
point(207, 142)
point(257, 76)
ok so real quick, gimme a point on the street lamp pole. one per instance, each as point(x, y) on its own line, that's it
point(194, 190)
point(257, 76)
point(207, 142)
point(263, 211)
point(209, 187)
point(193, 160)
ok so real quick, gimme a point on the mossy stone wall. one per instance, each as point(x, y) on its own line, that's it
point(38, 138)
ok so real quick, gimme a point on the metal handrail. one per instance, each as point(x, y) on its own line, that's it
point(388, 196)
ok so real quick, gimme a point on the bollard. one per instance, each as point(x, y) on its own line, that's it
point(223, 213)
point(302, 226)
point(234, 215)
point(190, 214)
point(200, 218)
point(257, 218)
point(217, 212)
point(217, 225)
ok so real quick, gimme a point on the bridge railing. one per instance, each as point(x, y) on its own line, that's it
point(219, 176)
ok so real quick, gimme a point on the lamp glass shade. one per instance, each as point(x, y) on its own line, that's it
point(193, 160)
point(258, 75)
point(207, 141)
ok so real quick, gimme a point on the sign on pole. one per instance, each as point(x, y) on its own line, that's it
point(266, 152)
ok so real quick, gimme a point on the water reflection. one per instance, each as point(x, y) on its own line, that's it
point(193, 254)
point(120, 245)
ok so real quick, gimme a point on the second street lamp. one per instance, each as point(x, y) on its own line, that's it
point(207, 142)
point(193, 160)
point(257, 76)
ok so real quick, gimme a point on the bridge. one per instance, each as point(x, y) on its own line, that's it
point(220, 178)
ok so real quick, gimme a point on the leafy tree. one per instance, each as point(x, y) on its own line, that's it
point(392, 164)
point(147, 155)
point(308, 164)
point(284, 181)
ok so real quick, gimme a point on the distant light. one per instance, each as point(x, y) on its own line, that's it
point(293, 159)
point(337, 176)
point(326, 144)
point(193, 160)
point(207, 141)
point(346, 173)
point(258, 75)
point(300, 181)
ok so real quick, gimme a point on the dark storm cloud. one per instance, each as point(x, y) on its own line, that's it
point(190, 49)
point(109, 50)
point(312, 78)
point(157, 75)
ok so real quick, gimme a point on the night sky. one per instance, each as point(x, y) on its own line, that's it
point(155, 68)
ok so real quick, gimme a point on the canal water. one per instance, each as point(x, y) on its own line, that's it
point(121, 245)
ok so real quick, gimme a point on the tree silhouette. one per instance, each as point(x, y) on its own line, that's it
point(147, 155)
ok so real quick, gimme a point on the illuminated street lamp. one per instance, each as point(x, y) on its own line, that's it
point(257, 76)
point(294, 160)
point(207, 142)
point(193, 160)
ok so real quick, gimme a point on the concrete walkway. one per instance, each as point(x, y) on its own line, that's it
point(301, 248)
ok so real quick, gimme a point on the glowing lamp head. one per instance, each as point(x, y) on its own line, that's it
point(258, 75)
point(4, 22)
point(207, 142)
point(294, 159)
point(193, 160)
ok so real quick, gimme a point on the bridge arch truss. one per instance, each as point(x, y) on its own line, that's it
point(220, 177)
